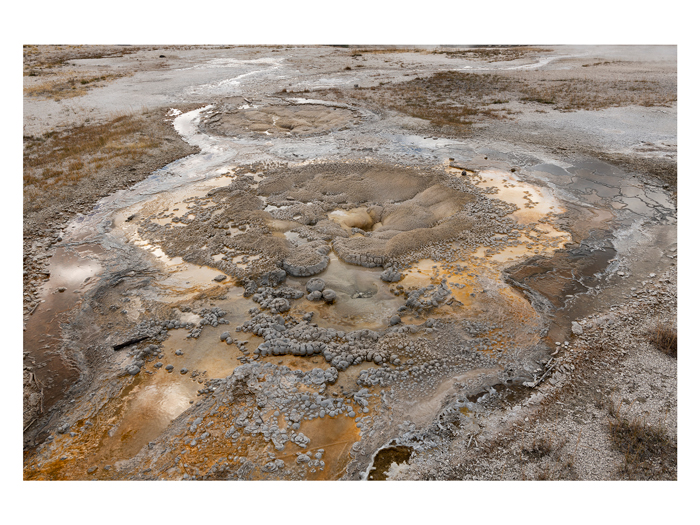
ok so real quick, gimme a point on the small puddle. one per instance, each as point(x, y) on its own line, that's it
point(387, 458)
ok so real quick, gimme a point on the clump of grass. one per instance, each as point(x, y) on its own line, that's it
point(549, 462)
point(648, 451)
point(561, 469)
point(665, 339)
point(540, 448)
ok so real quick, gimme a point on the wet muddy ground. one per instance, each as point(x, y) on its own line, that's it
point(324, 291)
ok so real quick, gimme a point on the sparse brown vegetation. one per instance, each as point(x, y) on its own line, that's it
point(606, 63)
point(58, 165)
point(494, 54)
point(67, 172)
point(448, 99)
point(40, 59)
point(53, 75)
point(67, 84)
point(665, 339)
point(457, 100)
point(550, 461)
point(649, 453)
point(539, 448)
point(385, 50)
point(571, 94)
point(487, 53)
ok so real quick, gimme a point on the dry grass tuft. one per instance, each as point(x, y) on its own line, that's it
point(547, 460)
point(665, 339)
point(540, 448)
point(649, 453)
